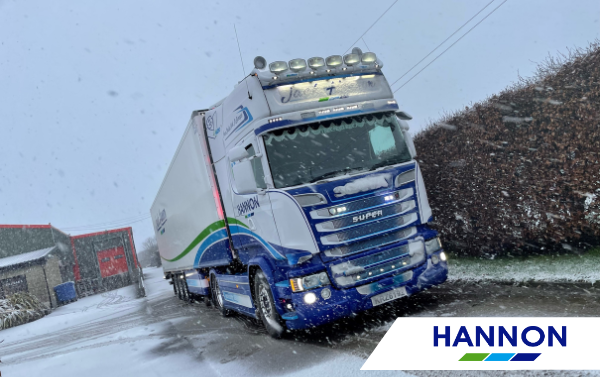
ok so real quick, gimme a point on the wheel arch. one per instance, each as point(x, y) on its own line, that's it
point(264, 265)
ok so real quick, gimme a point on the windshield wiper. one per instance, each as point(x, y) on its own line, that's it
point(334, 174)
point(390, 161)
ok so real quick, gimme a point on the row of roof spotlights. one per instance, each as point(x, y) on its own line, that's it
point(334, 61)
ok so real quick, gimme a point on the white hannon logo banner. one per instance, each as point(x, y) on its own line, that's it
point(442, 343)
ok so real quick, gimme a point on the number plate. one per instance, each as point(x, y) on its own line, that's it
point(389, 296)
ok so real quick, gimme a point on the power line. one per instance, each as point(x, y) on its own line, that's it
point(462, 36)
point(129, 220)
point(363, 34)
point(445, 40)
point(368, 49)
point(99, 228)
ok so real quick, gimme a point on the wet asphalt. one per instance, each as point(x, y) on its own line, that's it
point(239, 339)
point(221, 345)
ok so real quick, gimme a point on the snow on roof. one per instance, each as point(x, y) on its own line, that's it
point(25, 257)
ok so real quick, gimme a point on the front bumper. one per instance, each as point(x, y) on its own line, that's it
point(345, 302)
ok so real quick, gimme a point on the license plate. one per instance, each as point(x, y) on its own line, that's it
point(389, 296)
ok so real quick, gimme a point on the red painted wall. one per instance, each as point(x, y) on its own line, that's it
point(112, 261)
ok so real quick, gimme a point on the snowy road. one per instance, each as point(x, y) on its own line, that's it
point(114, 334)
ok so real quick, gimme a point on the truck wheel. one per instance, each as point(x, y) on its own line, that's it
point(265, 306)
point(217, 296)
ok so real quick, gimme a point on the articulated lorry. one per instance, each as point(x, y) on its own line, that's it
point(297, 199)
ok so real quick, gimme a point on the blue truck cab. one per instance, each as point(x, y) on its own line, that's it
point(297, 199)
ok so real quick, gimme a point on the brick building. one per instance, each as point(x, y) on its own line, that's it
point(36, 258)
point(35, 272)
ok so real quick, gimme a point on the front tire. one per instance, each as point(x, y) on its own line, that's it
point(217, 296)
point(265, 306)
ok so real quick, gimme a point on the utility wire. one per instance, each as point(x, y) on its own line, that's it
point(363, 34)
point(462, 36)
point(368, 49)
point(125, 221)
point(445, 40)
point(98, 228)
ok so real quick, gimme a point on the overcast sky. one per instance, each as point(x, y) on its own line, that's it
point(95, 95)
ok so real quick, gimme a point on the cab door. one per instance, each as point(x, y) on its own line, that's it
point(254, 231)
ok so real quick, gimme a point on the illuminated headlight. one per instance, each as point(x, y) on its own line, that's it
point(309, 282)
point(310, 298)
point(297, 65)
point(433, 245)
point(334, 61)
point(278, 67)
point(336, 210)
point(443, 256)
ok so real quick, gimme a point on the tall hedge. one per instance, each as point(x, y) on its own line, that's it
point(520, 172)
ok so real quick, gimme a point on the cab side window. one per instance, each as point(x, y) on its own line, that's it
point(257, 168)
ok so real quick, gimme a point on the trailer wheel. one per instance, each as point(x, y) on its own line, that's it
point(217, 296)
point(265, 306)
point(175, 285)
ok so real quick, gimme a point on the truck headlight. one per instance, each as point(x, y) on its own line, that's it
point(433, 245)
point(309, 282)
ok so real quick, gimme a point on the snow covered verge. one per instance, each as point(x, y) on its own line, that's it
point(548, 268)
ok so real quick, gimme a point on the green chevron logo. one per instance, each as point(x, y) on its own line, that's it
point(205, 233)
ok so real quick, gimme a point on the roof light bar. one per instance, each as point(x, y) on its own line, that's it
point(351, 59)
point(297, 65)
point(260, 62)
point(316, 62)
point(369, 58)
point(334, 61)
point(278, 67)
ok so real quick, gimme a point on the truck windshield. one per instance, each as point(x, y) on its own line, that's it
point(311, 152)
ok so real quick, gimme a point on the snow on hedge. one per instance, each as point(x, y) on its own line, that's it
point(20, 308)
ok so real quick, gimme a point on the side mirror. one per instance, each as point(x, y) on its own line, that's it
point(244, 177)
point(238, 153)
point(410, 144)
point(403, 115)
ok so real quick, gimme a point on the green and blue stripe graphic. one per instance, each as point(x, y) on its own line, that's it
point(499, 357)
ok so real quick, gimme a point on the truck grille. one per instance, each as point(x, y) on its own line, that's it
point(385, 239)
point(362, 269)
point(370, 229)
point(361, 218)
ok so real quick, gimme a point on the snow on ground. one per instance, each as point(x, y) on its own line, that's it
point(564, 268)
point(116, 334)
point(125, 349)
